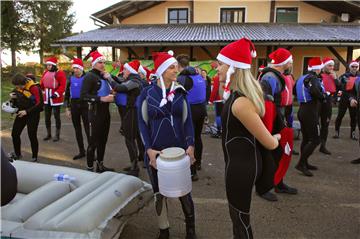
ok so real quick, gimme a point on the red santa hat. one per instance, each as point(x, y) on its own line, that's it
point(237, 54)
point(354, 63)
point(96, 57)
point(145, 71)
point(328, 61)
point(315, 63)
point(162, 61)
point(77, 63)
point(262, 67)
point(132, 66)
point(280, 57)
point(51, 61)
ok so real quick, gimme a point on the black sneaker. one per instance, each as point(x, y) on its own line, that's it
point(324, 150)
point(164, 234)
point(194, 177)
point(304, 170)
point(353, 136)
point(311, 167)
point(127, 169)
point(337, 135)
point(12, 156)
point(269, 196)
point(198, 167)
point(79, 156)
point(355, 161)
point(283, 188)
point(100, 168)
point(34, 160)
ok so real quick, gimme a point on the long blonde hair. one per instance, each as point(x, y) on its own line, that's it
point(244, 82)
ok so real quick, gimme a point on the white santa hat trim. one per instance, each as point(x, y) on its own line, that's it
point(318, 67)
point(50, 63)
point(354, 63)
point(331, 62)
point(142, 70)
point(100, 58)
point(233, 63)
point(289, 59)
point(77, 66)
point(129, 68)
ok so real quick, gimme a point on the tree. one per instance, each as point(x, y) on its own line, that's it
point(52, 21)
point(16, 31)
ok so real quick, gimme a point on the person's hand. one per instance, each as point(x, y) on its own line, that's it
point(106, 75)
point(353, 103)
point(152, 157)
point(13, 95)
point(108, 98)
point(277, 136)
point(190, 152)
point(53, 96)
point(21, 113)
point(68, 113)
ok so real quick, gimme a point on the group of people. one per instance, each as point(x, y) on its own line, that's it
point(166, 107)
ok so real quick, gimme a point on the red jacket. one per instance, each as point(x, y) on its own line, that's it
point(53, 85)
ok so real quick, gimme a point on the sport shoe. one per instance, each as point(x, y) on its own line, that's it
point(34, 160)
point(304, 170)
point(194, 177)
point(353, 136)
point(283, 188)
point(269, 196)
point(324, 150)
point(337, 135)
point(311, 167)
point(355, 161)
point(79, 156)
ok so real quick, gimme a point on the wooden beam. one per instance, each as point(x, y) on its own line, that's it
point(289, 48)
point(192, 11)
point(132, 52)
point(272, 11)
point(338, 56)
point(162, 49)
point(94, 48)
point(207, 52)
point(349, 54)
point(268, 51)
point(191, 53)
point(78, 52)
point(113, 53)
point(147, 53)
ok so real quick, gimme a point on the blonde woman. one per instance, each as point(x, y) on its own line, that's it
point(243, 132)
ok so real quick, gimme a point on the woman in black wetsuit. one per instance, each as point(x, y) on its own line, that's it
point(243, 133)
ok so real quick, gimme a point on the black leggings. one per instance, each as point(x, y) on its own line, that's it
point(48, 111)
point(243, 167)
point(310, 129)
point(79, 112)
point(218, 110)
point(344, 104)
point(130, 128)
point(32, 122)
point(198, 114)
point(186, 201)
point(325, 117)
point(99, 131)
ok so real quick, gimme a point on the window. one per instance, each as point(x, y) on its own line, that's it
point(178, 15)
point(288, 14)
point(232, 15)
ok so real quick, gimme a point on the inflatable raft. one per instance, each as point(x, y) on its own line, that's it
point(91, 206)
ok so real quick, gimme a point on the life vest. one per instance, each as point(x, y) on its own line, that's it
point(350, 83)
point(286, 94)
point(121, 99)
point(302, 92)
point(329, 83)
point(49, 80)
point(197, 94)
point(75, 86)
point(24, 98)
point(104, 88)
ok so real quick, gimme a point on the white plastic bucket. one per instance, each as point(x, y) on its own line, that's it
point(174, 174)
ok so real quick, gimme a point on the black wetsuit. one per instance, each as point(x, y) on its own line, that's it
point(344, 103)
point(99, 117)
point(132, 87)
point(79, 111)
point(308, 116)
point(198, 110)
point(243, 169)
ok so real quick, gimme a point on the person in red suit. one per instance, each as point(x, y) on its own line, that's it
point(53, 85)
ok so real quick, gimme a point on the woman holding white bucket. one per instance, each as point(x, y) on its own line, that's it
point(165, 122)
point(243, 133)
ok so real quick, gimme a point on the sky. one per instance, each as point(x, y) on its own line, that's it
point(83, 9)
